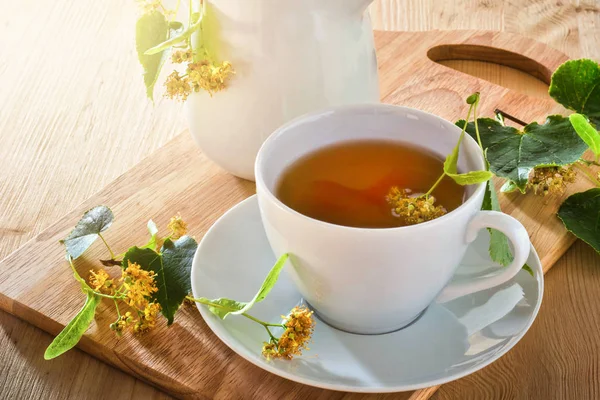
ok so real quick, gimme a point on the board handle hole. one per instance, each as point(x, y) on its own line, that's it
point(501, 67)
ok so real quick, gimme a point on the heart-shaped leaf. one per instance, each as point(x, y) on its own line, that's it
point(172, 268)
point(580, 213)
point(499, 248)
point(576, 85)
point(87, 230)
point(512, 154)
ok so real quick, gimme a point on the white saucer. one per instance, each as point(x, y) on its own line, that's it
point(447, 342)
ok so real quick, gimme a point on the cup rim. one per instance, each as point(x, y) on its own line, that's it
point(258, 166)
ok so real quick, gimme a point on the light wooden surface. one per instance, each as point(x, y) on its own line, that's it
point(178, 177)
point(63, 69)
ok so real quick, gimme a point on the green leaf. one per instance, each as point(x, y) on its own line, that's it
point(172, 268)
point(146, 258)
point(512, 154)
point(576, 85)
point(87, 230)
point(586, 132)
point(176, 27)
point(173, 279)
point(70, 335)
point(229, 306)
point(499, 247)
point(471, 178)
point(580, 213)
point(150, 30)
point(508, 187)
point(528, 269)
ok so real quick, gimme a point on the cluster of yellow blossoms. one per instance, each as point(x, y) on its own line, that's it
point(202, 75)
point(136, 287)
point(551, 180)
point(177, 226)
point(413, 209)
point(299, 327)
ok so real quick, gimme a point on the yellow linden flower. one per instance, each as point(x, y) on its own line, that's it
point(147, 319)
point(100, 281)
point(139, 285)
point(147, 6)
point(550, 180)
point(177, 226)
point(177, 87)
point(413, 210)
point(299, 327)
point(208, 76)
point(181, 56)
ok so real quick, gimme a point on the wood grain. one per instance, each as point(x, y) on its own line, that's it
point(188, 360)
point(66, 111)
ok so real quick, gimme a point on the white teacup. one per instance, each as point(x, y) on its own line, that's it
point(367, 280)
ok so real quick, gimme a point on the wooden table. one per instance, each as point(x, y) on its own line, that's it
point(73, 117)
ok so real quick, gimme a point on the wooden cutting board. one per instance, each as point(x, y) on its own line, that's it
point(187, 360)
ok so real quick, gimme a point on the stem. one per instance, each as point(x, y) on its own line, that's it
point(112, 255)
point(588, 174)
point(77, 276)
point(435, 185)
point(265, 324)
point(176, 10)
point(462, 134)
point(476, 124)
point(510, 117)
point(108, 296)
point(273, 338)
point(590, 162)
point(117, 307)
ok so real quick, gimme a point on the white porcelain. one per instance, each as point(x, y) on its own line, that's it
point(377, 280)
point(449, 341)
point(290, 57)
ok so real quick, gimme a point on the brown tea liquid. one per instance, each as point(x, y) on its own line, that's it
point(347, 184)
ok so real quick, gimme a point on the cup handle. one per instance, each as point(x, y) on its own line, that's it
point(515, 232)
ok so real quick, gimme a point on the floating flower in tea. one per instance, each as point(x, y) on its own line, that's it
point(413, 209)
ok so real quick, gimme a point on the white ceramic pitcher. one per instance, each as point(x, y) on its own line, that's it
point(290, 57)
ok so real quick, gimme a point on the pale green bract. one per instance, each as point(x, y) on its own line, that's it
point(153, 236)
point(468, 178)
point(586, 132)
point(70, 335)
point(223, 307)
point(471, 177)
point(151, 29)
